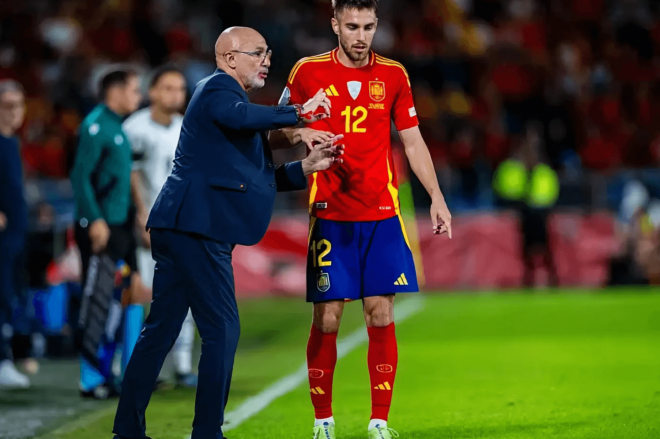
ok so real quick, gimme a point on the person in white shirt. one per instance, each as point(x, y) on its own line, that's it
point(154, 135)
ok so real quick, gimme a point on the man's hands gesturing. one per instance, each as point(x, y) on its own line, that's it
point(312, 137)
point(308, 109)
point(324, 155)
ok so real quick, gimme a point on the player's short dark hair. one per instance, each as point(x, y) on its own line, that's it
point(114, 78)
point(340, 5)
point(162, 71)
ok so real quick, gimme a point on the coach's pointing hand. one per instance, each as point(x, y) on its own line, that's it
point(308, 110)
point(324, 155)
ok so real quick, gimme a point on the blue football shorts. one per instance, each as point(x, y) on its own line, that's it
point(352, 260)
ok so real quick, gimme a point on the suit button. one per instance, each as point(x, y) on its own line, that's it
point(273, 184)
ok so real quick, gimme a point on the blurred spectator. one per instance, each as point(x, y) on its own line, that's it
point(13, 225)
point(636, 234)
point(481, 71)
point(527, 184)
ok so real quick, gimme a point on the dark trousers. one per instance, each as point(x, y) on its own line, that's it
point(12, 270)
point(196, 273)
point(534, 224)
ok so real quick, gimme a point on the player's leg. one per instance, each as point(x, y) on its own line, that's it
point(133, 311)
point(182, 353)
point(388, 269)
point(382, 356)
point(322, 359)
point(333, 275)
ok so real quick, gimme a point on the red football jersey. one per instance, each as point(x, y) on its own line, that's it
point(365, 101)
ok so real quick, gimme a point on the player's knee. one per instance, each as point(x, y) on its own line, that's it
point(328, 323)
point(379, 319)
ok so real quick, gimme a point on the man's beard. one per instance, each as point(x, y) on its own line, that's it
point(256, 83)
point(355, 57)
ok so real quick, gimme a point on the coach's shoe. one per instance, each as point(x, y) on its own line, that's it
point(186, 380)
point(324, 431)
point(382, 433)
point(11, 378)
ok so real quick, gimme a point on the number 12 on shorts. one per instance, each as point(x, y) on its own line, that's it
point(324, 246)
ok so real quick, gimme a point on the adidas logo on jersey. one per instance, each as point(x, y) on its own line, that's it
point(317, 391)
point(401, 280)
point(384, 386)
point(331, 91)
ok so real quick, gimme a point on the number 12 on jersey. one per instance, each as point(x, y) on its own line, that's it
point(324, 245)
point(358, 112)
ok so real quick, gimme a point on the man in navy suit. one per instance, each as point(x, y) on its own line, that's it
point(220, 194)
point(13, 221)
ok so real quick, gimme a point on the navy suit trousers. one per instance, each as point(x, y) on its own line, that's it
point(191, 272)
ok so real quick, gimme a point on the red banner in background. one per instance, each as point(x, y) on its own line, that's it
point(484, 254)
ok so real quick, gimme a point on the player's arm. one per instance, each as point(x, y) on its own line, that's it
point(405, 120)
point(140, 150)
point(140, 157)
point(422, 165)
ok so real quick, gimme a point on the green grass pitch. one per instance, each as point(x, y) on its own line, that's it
point(495, 366)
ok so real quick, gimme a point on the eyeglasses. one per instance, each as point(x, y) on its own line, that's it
point(258, 54)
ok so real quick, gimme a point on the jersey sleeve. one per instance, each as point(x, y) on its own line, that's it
point(404, 113)
point(139, 147)
point(294, 91)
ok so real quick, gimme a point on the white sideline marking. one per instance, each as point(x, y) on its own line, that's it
point(254, 404)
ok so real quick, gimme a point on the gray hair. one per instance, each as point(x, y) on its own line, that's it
point(7, 85)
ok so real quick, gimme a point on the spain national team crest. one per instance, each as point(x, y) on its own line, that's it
point(377, 90)
point(323, 282)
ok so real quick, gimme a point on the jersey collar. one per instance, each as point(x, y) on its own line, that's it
point(114, 116)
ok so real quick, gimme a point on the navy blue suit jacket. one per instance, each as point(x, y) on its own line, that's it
point(223, 183)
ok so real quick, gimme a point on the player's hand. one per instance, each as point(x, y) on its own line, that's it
point(145, 239)
point(324, 155)
point(309, 109)
point(3, 221)
point(440, 217)
point(312, 137)
point(99, 233)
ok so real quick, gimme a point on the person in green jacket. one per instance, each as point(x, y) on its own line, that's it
point(525, 184)
point(101, 180)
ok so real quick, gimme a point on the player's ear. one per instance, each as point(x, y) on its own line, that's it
point(335, 25)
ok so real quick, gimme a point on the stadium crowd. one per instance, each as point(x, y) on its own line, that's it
point(585, 71)
point(584, 75)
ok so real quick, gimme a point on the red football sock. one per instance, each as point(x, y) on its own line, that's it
point(382, 360)
point(321, 361)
